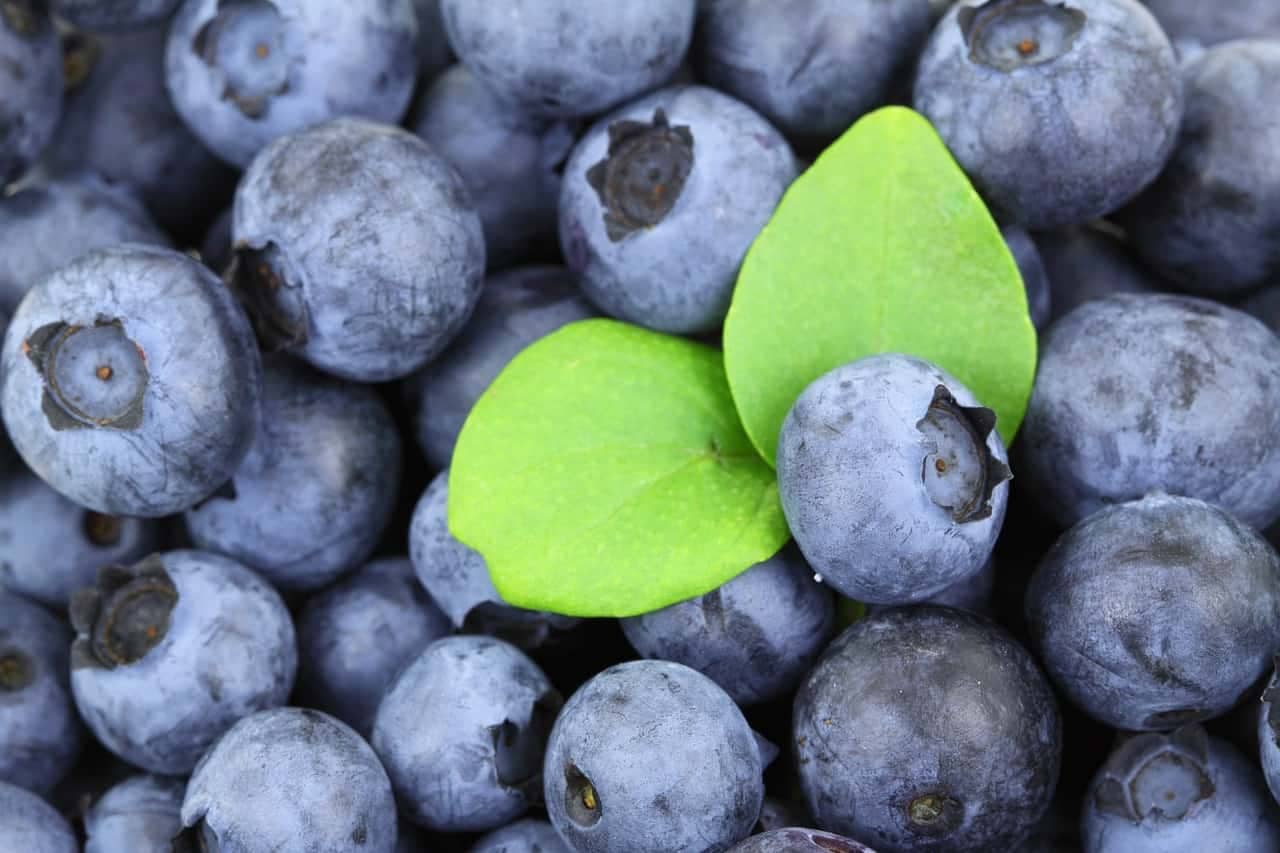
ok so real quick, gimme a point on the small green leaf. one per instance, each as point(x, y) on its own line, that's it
point(882, 246)
point(605, 473)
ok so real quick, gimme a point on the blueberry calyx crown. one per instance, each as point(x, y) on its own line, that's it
point(934, 814)
point(22, 16)
point(94, 376)
point(274, 303)
point(1010, 34)
point(581, 800)
point(16, 671)
point(643, 174)
point(960, 472)
point(1156, 775)
point(518, 750)
point(123, 616)
point(244, 43)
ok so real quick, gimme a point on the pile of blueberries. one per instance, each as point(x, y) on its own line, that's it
point(259, 258)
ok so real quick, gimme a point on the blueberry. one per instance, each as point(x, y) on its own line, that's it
point(524, 836)
point(50, 547)
point(652, 756)
point(50, 225)
point(113, 14)
point(245, 72)
point(1059, 112)
point(119, 122)
point(509, 160)
point(289, 780)
point(755, 636)
point(458, 578)
point(1156, 613)
point(927, 728)
point(310, 500)
point(131, 381)
point(1211, 223)
point(434, 51)
point(358, 249)
point(1196, 23)
point(798, 840)
point(172, 651)
point(356, 636)
point(892, 478)
point(30, 825)
point(462, 733)
point(1085, 263)
point(567, 58)
point(139, 815)
point(1183, 792)
point(516, 308)
point(40, 733)
point(812, 67)
point(1035, 280)
point(1139, 392)
point(777, 813)
point(661, 201)
point(30, 85)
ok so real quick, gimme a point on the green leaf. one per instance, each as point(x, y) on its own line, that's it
point(882, 246)
point(605, 473)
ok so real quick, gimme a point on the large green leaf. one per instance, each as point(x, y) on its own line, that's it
point(605, 473)
point(882, 246)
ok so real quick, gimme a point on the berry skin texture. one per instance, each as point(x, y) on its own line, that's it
point(755, 635)
point(1156, 613)
point(568, 59)
point(457, 578)
point(333, 261)
point(509, 160)
point(1182, 792)
point(242, 74)
point(661, 200)
point(356, 636)
point(49, 225)
point(462, 733)
point(1138, 393)
point(517, 307)
point(30, 85)
point(171, 652)
point(139, 815)
point(812, 67)
point(1059, 112)
point(131, 381)
point(1035, 280)
point(953, 731)
point(1195, 23)
point(797, 840)
point(40, 734)
point(524, 836)
point(50, 547)
point(892, 478)
point(652, 756)
point(289, 780)
point(29, 824)
point(1211, 223)
point(318, 486)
